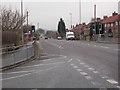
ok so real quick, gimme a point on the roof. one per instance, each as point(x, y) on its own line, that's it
point(112, 19)
point(79, 27)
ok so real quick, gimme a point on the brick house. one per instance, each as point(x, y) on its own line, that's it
point(112, 24)
point(80, 31)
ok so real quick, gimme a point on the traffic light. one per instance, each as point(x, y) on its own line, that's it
point(33, 28)
point(101, 28)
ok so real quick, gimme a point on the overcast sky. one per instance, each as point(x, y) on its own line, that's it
point(48, 12)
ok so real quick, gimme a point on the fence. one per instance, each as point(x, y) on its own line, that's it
point(16, 56)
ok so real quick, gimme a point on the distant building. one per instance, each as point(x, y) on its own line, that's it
point(41, 31)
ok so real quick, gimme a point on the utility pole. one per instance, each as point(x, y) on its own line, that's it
point(38, 25)
point(79, 11)
point(27, 23)
point(71, 19)
point(27, 27)
point(22, 21)
point(95, 18)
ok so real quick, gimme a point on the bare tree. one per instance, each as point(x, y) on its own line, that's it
point(11, 20)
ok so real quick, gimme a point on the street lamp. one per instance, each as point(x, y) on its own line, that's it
point(70, 19)
point(79, 11)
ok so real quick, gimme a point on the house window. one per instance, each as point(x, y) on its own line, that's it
point(105, 25)
point(116, 23)
point(108, 25)
point(111, 24)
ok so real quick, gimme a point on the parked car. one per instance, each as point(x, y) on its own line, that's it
point(59, 38)
point(46, 37)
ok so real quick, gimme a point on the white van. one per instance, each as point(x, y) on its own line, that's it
point(70, 36)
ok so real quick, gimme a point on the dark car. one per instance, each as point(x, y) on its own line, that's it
point(46, 37)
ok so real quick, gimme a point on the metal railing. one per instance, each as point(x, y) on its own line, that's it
point(16, 56)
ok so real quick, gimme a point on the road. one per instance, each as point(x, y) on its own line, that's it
point(68, 64)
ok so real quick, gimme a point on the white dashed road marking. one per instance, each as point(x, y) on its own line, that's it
point(91, 69)
point(70, 60)
point(95, 72)
point(95, 83)
point(79, 60)
point(72, 64)
point(112, 81)
point(82, 63)
point(88, 77)
point(75, 66)
point(83, 73)
point(79, 69)
point(103, 76)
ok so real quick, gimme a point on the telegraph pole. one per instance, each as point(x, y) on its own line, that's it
point(22, 21)
point(27, 23)
point(95, 17)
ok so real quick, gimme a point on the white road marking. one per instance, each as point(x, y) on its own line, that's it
point(59, 46)
point(112, 81)
point(82, 63)
point(79, 69)
point(95, 72)
point(103, 76)
point(104, 47)
point(88, 77)
point(95, 45)
point(40, 65)
point(42, 60)
point(86, 66)
point(88, 44)
point(75, 66)
point(79, 60)
point(95, 83)
point(19, 72)
point(65, 56)
point(70, 60)
point(72, 64)
point(83, 73)
point(92, 69)
point(118, 87)
point(28, 74)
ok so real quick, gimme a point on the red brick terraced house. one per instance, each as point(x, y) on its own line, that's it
point(112, 24)
point(79, 31)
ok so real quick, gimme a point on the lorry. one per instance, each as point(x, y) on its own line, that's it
point(70, 36)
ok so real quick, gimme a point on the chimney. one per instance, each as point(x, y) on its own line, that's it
point(113, 14)
point(84, 24)
point(104, 17)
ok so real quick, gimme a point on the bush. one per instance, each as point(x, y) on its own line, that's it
point(9, 37)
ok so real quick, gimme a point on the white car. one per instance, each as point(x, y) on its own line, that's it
point(59, 38)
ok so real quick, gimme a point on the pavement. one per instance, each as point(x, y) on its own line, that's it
point(67, 64)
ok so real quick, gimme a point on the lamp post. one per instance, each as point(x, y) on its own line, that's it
point(79, 11)
point(70, 19)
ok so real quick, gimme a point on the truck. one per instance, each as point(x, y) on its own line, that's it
point(70, 36)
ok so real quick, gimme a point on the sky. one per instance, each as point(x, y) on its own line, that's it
point(48, 12)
